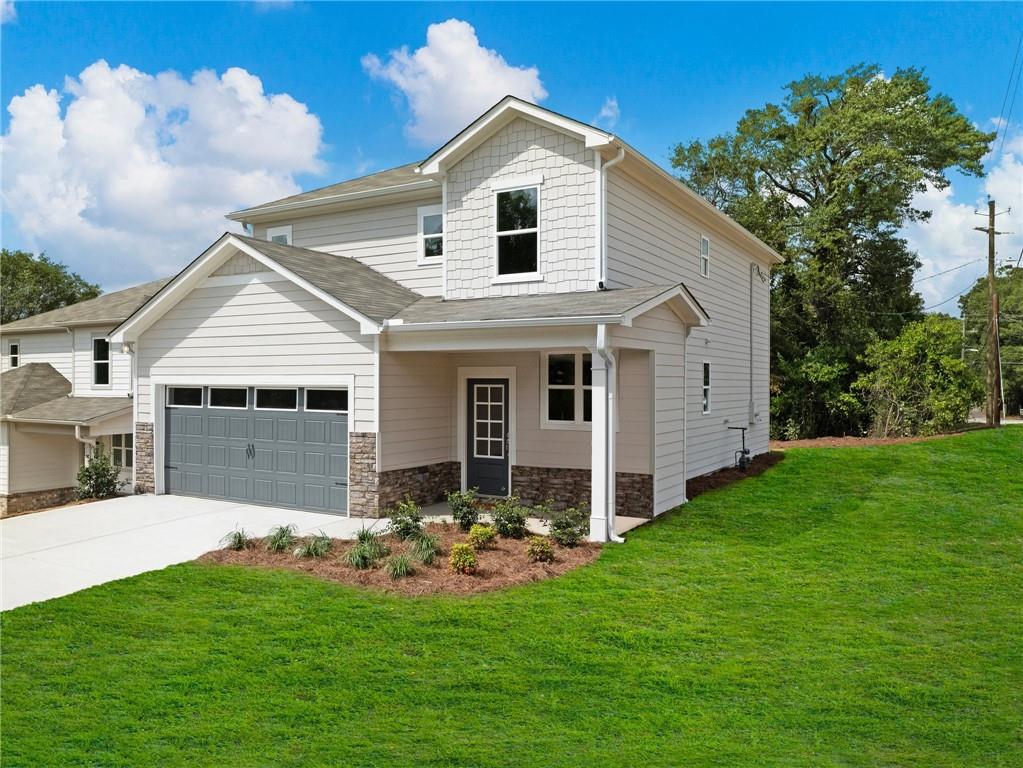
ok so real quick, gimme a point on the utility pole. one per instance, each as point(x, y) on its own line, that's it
point(994, 368)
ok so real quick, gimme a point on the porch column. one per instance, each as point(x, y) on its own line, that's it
point(602, 459)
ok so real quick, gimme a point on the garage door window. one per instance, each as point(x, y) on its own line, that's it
point(229, 397)
point(330, 400)
point(277, 399)
point(184, 397)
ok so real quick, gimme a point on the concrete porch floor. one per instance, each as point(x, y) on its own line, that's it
point(439, 513)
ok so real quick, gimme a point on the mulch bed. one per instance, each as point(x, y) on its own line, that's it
point(503, 566)
point(852, 442)
point(723, 477)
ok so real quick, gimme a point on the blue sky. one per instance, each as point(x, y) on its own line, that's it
point(677, 72)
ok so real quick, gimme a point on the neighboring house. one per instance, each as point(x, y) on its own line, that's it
point(535, 308)
point(63, 389)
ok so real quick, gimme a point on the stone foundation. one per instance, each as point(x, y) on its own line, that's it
point(145, 479)
point(634, 492)
point(363, 480)
point(31, 501)
point(426, 484)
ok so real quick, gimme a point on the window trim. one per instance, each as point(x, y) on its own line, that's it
point(123, 449)
point(14, 358)
point(169, 389)
point(93, 362)
point(305, 399)
point(706, 384)
point(704, 259)
point(255, 400)
point(578, 388)
point(209, 398)
point(515, 185)
point(284, 229)
point(422, 211)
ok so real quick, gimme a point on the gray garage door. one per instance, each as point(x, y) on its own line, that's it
point(281, 447)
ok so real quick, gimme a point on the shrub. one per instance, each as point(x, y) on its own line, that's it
point(424, 548)
point(539, 550)
point(510, 518)
point(481, 536)
point(99, 478)
point(360, 557)
point(372, 542)
point(400, 566)
point(464, 508)
point(280, 538)
point(570, 526)
point(406, 519)
point(463, 559)
point(314, 546)
point(238, 539)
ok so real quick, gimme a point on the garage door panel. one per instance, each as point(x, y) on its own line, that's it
point(239, 427)
point(263, 490)
point(338, 467)
point(216, 485)
point(239, 457)
point(314, 432)
point(239, 487)
point(339, 433)
point(264, 428)
point(315, 496)
point(338, 497)
point(192, 425)
point(216, 457)
point(287, 430)
point(315, 465)
point(216, 426)
point(194, 454)
point(263, 460)
point(287, 461)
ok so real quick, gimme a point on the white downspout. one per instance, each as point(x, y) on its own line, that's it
point(602, 278)
point(89, 443)
point(608, 404)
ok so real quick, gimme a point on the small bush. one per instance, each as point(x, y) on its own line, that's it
point(539, 550)
point(464, 508)
point(424, 549)
point(406, 520)
point(510, 518)
point(481, 536)
point(238, 539)
point(99, 478)
point(280, 538)
point(372, 542)
point(570, 526)
point(400, 566)
point(315, 546)
point(360, 557)
point(463, 559)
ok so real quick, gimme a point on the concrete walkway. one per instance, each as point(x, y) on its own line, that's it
point(59, 551)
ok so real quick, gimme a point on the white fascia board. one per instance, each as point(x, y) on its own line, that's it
point(693, 313)
point(248, 213)
point(530, 322)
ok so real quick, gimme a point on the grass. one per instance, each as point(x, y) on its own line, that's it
point(851, 607)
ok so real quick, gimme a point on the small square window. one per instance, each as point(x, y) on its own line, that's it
point(561, 405)
point(561, 369)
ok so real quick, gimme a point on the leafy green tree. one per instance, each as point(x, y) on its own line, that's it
point(974, 307)
point(32, 284)
point(916, 383)
point(827, 178)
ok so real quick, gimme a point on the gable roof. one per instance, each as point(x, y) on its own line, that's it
point(29, 385)
point(110, 308)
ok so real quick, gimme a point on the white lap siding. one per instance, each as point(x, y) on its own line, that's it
point(53, 347)
point(261, 330)
point(651, 241)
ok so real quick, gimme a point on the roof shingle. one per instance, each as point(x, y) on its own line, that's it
point(109, 308)
point(29, 385)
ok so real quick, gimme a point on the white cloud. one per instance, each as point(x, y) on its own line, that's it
point(8, 12)
point(132, 179)
point(451, 80)
point(609, 113)
point(949, 239)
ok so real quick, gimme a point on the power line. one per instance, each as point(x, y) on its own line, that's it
point(953, 269)
point(1004, 127)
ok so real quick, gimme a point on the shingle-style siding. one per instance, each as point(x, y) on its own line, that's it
point(567, 211)
point(651, 241)
point(240, 264)
point(381, 236)
point(271, 328)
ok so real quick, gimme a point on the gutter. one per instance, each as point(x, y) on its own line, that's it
point(457, 325)
point(609, 434)
point(89, 443)
point(247, 213)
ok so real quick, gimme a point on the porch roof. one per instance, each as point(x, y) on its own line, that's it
point(74, 410)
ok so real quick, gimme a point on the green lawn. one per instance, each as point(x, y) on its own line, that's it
point(857, 606)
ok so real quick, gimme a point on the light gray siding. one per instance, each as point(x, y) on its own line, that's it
point(53, 347)
point(70, 353)
point(42, 459)
point(416, 426)
point(652, 241)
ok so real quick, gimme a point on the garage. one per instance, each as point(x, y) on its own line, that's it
point(284, 447)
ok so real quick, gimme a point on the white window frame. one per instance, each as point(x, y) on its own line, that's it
point(578, 387)
point(514, 185)
point(706, 382)
point(14, 358)
point(123, 449)
point(704, 256)
point(422, 211)
point(209, 399)
point(109, 362)
point(272, 232)
point(305, 399)
point(255, 400)
point(167, 396)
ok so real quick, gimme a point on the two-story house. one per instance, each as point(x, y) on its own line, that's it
point(535, 308)
point(63, 390)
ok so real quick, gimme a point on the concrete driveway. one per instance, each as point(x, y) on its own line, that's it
point(60, 551)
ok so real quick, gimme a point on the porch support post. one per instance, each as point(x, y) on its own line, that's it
point(602, 458)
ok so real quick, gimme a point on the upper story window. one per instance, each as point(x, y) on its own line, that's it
point(14, 354)
point(100, 362)
point(431, 234)
point(705, 256)
point(280, 235)
point(518, 231)
point(706, 387)
point(567, 388)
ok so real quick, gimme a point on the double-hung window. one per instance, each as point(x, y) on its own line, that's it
point(705, 257)
point(122, 448)
point(100, 362)
point(567, 388)
point(706, 387)
point(14, 354)
point(518, 232)
point(431, 234)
